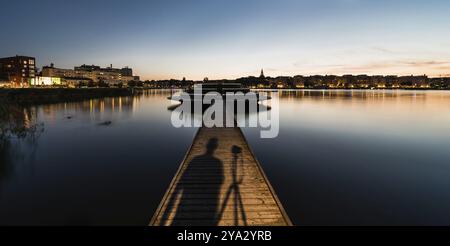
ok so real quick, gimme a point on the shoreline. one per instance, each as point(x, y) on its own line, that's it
point(56, 95)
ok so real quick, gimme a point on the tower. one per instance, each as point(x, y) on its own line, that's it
point(262, 74)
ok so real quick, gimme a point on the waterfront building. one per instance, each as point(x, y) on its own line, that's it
point(74, 82)
point(362, 81)
point(282, 82)
point(392, 81)
point(4, 83)
point(377, 81)
point(52, 71)
point(414, 81)
point(91, 73)
point(440, 83)
point(299, 81)
point(45, 81)
point(17, 70)
point(331, 81)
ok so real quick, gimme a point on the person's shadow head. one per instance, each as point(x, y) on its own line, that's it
point(211, 146)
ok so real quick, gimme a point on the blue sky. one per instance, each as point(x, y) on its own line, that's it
point(233, 38)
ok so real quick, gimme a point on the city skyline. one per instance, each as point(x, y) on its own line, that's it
point(231, 39)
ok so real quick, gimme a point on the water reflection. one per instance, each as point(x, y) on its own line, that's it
point(96, 107)
point(361, 157)
point(19, 127)
point(361, 94)
point(341, 158)
point(5, 162)
point(87, 173)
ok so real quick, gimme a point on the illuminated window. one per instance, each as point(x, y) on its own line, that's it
point(31, 62)
point(24, 62)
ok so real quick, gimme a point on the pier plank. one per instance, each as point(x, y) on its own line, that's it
point(220, 182)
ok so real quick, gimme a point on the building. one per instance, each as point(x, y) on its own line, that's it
point(126, 71)
point(299, 81)
point(18, 70)
point(73, 82)
point(109, 75)
point(262, 76)
point(440, 83)
point(391, 81)
point(4, 83)
point(414, 81)
point(85, 73)
point(45, 81)
point(52, 71)
point(363, 81)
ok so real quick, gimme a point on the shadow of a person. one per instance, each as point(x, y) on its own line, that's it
point(210, 181)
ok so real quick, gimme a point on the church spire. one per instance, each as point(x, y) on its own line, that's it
point(262, 74)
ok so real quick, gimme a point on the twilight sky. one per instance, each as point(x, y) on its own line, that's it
point(233, 38)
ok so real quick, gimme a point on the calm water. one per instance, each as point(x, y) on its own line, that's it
point(342, 158)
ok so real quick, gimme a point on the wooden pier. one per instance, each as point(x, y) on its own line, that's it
point(220, 182)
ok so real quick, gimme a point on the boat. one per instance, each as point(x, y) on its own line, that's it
point(222, 88)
